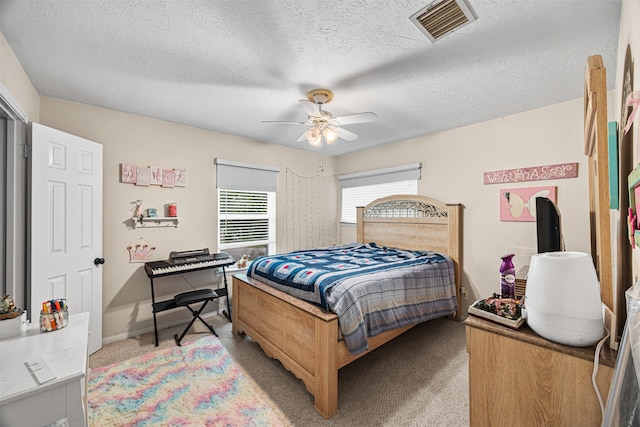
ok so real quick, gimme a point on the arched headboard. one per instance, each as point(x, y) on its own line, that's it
point(416, 223)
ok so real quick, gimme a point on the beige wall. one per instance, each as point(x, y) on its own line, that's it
point(452, 171)
point(128, 138)
point(15, 80)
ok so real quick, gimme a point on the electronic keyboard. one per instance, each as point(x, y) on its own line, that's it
point(187, 261)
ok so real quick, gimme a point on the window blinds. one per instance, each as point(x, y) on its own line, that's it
point(381, 176)
point(245, 177)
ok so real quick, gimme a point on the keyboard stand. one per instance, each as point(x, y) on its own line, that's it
point(227, 313)
point(170, 304)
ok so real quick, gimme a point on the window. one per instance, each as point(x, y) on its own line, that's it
point(246, 209)
point(361, 188)
point(361, 196)
point(246, 223)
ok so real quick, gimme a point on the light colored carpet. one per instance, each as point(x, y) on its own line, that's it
point(418, 379)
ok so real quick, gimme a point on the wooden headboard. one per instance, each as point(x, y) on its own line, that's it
point(415, 223)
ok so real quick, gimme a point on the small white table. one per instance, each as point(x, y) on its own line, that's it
point(23, 401)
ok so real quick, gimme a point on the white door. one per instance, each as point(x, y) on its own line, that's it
point(66, 225)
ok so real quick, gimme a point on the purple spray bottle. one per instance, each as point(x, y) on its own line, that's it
point(507, 277)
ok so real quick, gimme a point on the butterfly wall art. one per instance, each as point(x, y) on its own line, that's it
point(519, 204)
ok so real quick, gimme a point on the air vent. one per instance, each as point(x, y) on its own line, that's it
point(443, 17)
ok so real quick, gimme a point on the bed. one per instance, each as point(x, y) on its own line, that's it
point(304, 337)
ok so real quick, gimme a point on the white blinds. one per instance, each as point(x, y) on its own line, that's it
point(246, 217)
point(245, 177)
point(381, 176)
point(362, 196)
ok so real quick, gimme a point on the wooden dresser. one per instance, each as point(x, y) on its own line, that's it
point(517, 378)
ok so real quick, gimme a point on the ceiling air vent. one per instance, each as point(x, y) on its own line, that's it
point(443, 17)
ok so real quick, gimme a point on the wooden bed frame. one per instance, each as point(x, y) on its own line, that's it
point(304, 337)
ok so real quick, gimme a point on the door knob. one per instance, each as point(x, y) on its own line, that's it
point(98, 261)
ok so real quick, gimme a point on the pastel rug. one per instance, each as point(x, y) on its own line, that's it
point(197, 384)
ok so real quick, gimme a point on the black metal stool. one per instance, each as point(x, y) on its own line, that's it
point(192, 297)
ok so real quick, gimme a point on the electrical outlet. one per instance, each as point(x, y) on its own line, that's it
point(463, 291)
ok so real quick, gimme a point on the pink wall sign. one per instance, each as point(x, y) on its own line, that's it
point(536, 173)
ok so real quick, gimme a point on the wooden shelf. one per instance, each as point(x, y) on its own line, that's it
point(145, 222)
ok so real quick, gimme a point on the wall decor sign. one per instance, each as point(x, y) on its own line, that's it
point(519, 204)
point(180, 177)
point(168, 178)
point(152, 175)
point(155, 175)
point(535, 173)
point(140, 250)
point(128, 173)
point(143, 175)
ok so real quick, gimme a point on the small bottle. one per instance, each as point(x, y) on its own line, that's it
point(507, 277)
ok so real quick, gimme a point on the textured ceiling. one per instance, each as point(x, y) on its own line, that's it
point(226, 65)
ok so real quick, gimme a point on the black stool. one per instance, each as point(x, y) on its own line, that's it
point(192, 297)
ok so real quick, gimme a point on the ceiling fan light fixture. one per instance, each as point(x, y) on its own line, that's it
point(313, 133)
point(330, 135)
point(324, 127)
point(316, 142)
point(314, 136)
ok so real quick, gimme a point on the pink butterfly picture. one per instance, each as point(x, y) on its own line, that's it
point(519, 204)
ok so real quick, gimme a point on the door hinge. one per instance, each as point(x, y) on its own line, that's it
point(24, 150)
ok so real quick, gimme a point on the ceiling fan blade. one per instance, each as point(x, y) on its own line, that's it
point(303, 137)
point(355, 118)
point(345, 134)
point(275, 122)
point(310, 108)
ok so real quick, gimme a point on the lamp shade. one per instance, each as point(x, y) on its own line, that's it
point(329, 135)
point(562, 298)
point(314, 136)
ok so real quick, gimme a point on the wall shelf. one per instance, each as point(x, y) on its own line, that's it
point(146, 222)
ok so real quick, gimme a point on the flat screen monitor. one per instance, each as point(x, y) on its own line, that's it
point(549, 233)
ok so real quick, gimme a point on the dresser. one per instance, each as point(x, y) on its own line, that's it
point(62, 353)
point(517, 378)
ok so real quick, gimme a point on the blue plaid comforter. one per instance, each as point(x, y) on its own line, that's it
point(372, 289)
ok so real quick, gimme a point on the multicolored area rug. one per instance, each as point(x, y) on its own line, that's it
point(197, 384)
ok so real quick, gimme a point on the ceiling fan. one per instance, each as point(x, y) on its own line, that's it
point(322, 122)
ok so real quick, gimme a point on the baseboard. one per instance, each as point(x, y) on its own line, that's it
point(141, 331)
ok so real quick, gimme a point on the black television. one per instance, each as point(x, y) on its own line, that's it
point(549, 233)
